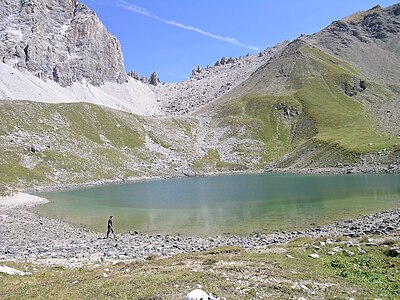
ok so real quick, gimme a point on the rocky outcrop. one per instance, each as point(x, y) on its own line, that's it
point(154, 80)
point(365, 39)
point(208, 84)
point(352, 86)
point(382, 23)
point(60, 40)
point(134, 75)
point(376, 23)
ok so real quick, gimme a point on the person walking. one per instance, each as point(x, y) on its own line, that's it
point(110, 227)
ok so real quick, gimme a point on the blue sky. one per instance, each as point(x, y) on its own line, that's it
point(172, 37)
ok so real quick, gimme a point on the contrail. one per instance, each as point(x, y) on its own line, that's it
point(146, 13)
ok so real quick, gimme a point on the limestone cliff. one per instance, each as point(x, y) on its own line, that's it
point(60, 40)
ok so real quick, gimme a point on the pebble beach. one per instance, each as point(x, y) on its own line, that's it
point(26, 236)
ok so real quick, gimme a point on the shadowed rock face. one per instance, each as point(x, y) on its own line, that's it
point(60, 40)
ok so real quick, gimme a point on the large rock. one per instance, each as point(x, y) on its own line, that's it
point(60, 40)
point(12, 271)
point(199, 294)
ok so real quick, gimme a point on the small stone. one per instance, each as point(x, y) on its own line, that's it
point(304, 288)
point(393, 252)
point(314, 255)
point(361, 250)
point(349, 253)
point(33, 149)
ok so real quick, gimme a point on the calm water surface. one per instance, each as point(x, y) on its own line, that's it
point(239, 204)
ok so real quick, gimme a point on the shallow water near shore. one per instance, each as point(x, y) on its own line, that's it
point(239, 204)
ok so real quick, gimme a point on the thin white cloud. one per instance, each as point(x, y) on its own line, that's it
point(143, 11)
point(138, 10)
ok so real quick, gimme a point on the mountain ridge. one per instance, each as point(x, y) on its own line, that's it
point(305, 105)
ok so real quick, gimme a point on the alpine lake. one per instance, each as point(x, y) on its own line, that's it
point(217, 205)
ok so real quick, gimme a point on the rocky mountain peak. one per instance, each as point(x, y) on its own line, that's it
point(60, 40)
point(357, 17)
point(376, 22)
point(208, 84)
point(365, 39)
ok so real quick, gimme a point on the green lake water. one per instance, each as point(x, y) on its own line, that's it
point(240, 204)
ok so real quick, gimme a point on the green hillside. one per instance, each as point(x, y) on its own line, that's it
point(57, 144)
point(323, 110)
point(74, 143)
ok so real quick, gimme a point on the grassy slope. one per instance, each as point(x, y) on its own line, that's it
point(278, 272)
point(338, 122)
point(340, 119)
point(80, 143)
point(257, 115)
point(76, 143)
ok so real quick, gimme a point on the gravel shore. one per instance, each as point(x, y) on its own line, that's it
point(28, 237)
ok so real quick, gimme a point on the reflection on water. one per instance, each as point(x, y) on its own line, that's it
point(226, 204)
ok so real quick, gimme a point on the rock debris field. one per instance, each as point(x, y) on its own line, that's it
point(29, 237)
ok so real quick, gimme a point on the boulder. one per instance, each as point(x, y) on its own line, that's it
point(199, 294)
point(393, 252)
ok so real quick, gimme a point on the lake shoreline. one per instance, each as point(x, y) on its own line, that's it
point(304, 171)
point(64, 187)
point(33, 238)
